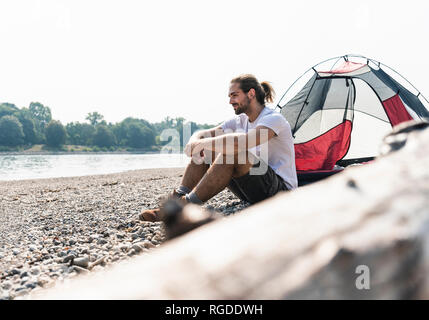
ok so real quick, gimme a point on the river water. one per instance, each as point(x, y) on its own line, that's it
point(19, 167)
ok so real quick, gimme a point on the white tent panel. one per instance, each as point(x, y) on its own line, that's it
point(367, 101)
point(367, 135)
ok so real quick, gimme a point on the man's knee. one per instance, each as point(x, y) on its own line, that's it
point(210, 156)
point(243, 162)
point(238, 159)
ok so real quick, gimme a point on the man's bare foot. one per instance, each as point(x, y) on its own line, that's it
point(151, 215)
point(154, 215)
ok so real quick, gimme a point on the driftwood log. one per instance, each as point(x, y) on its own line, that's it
point(361, 234)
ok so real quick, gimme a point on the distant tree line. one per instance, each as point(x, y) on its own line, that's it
point(34, 125)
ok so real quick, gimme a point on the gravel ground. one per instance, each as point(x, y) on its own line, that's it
point(55, 229)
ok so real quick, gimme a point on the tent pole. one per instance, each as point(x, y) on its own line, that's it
point(418, 91)
point(312, 68)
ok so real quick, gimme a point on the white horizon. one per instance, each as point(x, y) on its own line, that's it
point(134, 59)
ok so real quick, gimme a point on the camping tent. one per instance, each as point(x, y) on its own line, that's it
point(344, 112)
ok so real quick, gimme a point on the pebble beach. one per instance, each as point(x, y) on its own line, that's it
point(59, 228)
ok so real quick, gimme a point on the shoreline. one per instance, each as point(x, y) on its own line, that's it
point(54, 229)
point(106, 175)
point(31, 153)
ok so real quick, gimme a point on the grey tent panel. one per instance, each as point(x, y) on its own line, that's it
point(293, 109)
point(318, 94)
point(410, 99)
point(383, 92)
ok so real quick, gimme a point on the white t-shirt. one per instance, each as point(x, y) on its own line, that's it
point(281, 152)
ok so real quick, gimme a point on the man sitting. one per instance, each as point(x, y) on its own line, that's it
point(252, 154)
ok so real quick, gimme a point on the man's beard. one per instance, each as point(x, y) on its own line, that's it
point(242, 108)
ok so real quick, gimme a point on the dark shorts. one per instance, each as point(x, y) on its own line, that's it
point(255, 188)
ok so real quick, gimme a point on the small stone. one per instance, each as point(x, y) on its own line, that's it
point(42, 281)
point(32, 248)
point(70, 257)
point(80, 270)
point(137, 248)
point(62, 268)
point(6, 285)
point(47, 260)
point(55, 249)
point(81, 262)
point(97, 262)
point(120, 236)
point(14, 272)
point(31, 285)
point(5, 296)
point(124, 247)
point(93, 237)
point(35, 271)
point(131, 253)
point(148, 244)
point(135, 236)
point(70, 269)
point(15, 252)
point(21, 291)
point(24, 274)
point(73, 252)
point(107, 246)
point(61, 254)
point(72, 242)
point(56, 242)
point(102, 241)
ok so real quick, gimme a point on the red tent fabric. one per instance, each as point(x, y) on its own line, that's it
point(323, 152)
point(346, 67)
point(396, 111)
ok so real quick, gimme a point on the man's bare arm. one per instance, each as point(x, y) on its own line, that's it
point(232, 143)
point(213, 132)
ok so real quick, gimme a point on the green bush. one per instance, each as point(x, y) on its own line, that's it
point(55, 134)
point(104, 137)
point(11, 132)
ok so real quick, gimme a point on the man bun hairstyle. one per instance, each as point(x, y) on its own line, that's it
point(264, 91)
point(269, 91)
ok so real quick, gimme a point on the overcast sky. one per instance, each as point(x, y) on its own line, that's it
point(152, 59)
